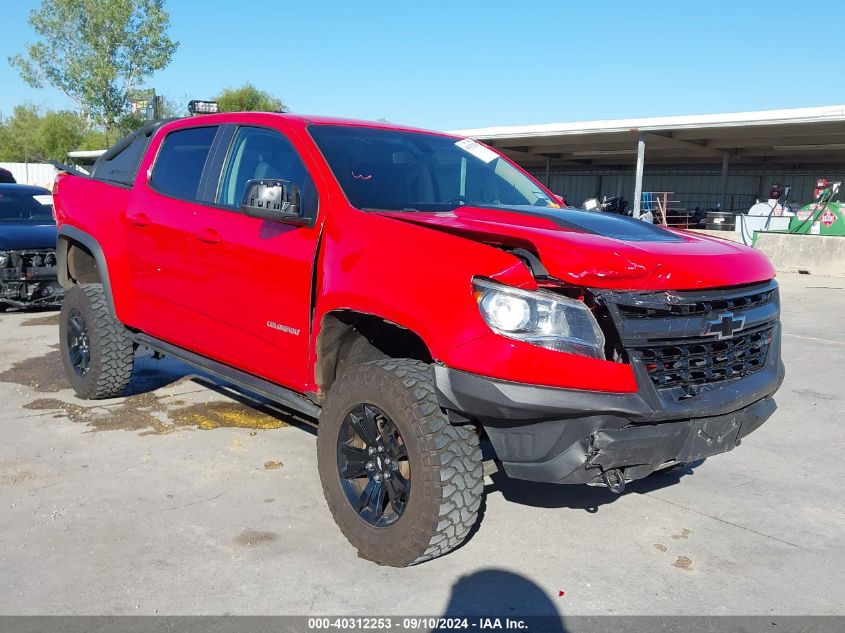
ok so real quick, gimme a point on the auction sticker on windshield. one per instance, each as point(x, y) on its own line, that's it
point(478, 150)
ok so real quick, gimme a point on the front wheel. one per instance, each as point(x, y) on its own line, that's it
point(403, 484)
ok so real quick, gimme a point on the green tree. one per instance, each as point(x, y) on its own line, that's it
point(97, 52)
point(94, 139)
point(28, 136)
point(5, 141)
point(248, 98)
point(21, 135)
point(59, 133)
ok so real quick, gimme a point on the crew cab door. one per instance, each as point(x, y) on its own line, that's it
point(162, 238)
point(254, 276)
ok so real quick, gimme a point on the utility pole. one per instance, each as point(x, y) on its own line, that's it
point(638, 180)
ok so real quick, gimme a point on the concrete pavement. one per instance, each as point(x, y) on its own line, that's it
point(183, 500)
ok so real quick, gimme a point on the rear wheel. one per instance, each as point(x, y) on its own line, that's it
point(403, 484)
point(97, 352)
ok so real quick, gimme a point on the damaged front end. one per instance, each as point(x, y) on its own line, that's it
point(29, 279)
point(706, 363)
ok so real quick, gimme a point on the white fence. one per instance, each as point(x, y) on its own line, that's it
point(39, 174)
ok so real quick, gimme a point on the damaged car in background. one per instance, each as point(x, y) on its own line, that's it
point(27, 248)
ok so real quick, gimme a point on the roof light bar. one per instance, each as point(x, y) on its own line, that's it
point(196, 106)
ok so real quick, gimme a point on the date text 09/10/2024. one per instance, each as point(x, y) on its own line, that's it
point(416, 623)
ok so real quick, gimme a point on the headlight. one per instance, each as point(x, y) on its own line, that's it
point(505, 312)
point(540, 318)
point(4, 259)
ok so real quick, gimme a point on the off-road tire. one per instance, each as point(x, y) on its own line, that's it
point(112, 352)
point(445, 464)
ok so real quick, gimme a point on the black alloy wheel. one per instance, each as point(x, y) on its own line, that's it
point(78, 343)
point(372, 462)
point(402, 482)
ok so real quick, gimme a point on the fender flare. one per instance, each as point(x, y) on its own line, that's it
point(71, 233)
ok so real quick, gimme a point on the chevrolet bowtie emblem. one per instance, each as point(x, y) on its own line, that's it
point(724, 325)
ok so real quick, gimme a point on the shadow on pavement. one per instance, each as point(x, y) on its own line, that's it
point(261, 404)
point(501, 593)
point(581, 497)
point(151, 374)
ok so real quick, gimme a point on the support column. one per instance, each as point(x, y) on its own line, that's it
point(726, 163)
point(548, 179)
point(638, 177)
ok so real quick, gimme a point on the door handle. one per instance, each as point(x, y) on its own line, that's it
point(138, 219)
point(209, 236)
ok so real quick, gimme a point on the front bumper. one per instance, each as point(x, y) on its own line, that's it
point(568, 436)
point(30, 287)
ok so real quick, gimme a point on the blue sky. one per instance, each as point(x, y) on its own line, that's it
point(446, 65)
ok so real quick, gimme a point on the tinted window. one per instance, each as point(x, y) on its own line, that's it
point(32, 207)
point(180, 162)
point(257, 153)
point(414, 171)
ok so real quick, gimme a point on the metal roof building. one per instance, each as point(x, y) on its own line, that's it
point(706, 160)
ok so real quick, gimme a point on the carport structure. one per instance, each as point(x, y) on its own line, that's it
point(730, 158)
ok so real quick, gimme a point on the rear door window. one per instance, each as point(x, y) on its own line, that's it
point(181, 160)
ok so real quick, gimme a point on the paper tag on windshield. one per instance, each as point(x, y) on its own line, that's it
point(478, 150)
point(44, 198)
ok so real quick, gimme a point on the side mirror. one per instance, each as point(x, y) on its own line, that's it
point(274, 200)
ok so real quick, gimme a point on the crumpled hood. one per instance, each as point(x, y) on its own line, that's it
point(605, 250)
point(22, 235)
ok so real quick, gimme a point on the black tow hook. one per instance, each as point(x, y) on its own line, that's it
point(614, 480)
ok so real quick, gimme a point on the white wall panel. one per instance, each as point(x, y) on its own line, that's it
point(39, 174)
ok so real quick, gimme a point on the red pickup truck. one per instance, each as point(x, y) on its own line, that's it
point(423, 297)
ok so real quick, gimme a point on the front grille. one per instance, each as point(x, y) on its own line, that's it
point(699, 307)
point(702, 362)
point(676, 336)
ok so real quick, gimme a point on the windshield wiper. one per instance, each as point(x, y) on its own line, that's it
point(403, 210)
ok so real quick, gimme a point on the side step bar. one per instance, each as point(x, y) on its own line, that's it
point(274, 392)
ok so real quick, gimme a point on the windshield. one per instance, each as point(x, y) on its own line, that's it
point(26, 207)
point(413, 171)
